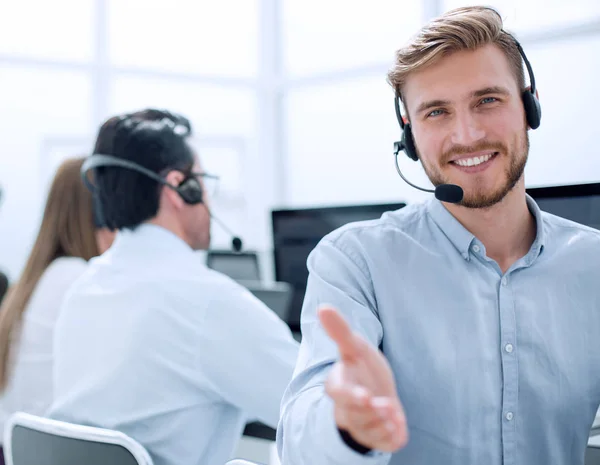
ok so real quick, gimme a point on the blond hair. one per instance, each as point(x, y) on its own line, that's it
point(67, 230)
point(465, 28)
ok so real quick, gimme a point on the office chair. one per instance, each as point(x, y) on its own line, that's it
point(3, 285)
point(592, 454)
point(33, 440)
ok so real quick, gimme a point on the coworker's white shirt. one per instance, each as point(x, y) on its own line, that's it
point(152, 343)
point(29, 386)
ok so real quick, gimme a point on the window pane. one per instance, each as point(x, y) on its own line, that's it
point(340, 145)
point(564, 147)
point(212, 109)
point(35, 106)
point(201, 36)
point(57, 29)
point(535, 15)
point(337, 34)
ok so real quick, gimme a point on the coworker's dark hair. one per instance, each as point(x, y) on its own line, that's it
point(154, 139)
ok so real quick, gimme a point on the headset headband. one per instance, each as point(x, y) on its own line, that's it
point(523, 56)
point(98, 160)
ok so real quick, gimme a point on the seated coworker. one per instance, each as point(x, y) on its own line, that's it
point(65, 242)
point(150, 341)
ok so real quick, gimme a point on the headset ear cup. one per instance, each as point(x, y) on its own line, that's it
point(533, 109)
point(190, 191)
point(409, 143)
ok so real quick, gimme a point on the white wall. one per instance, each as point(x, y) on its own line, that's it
point(34, 103)
point(73, 63)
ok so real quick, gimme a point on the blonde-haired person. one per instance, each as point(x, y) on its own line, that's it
point(486, 311)
point(66, 240)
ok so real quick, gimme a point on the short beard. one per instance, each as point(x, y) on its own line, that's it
point(514, 172)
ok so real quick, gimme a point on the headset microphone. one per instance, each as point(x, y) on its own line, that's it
point(450, 193)
point(236, 242)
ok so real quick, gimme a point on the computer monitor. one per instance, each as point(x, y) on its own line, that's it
point(296, 232)
point(241, 266)
point(576, 202)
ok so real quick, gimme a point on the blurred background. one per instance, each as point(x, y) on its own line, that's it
point(289, 104)
point(288, 98)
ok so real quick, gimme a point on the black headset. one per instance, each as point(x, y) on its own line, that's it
point(189, 189)
point(533, 112)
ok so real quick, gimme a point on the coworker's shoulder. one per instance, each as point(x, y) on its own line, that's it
point(68, 263)
point(55, 283)
point(65, 269)
point(234, 300)
point(206, 283)
point(394, 222)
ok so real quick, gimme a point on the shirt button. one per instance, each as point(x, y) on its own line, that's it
point(504, 281)
point(476, 248)
point(509, 416)
point(508, 348)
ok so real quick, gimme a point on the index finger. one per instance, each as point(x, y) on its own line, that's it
point(338, 329)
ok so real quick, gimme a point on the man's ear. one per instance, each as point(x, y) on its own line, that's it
point(174, 178)
point(537, 93)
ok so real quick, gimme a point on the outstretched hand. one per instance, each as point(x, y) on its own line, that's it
point(362, 387)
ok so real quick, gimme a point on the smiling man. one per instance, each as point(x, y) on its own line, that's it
point(485, 311)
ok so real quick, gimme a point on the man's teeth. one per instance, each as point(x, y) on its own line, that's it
point(473, 161)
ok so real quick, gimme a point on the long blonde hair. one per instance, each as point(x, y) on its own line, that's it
point(67, 230)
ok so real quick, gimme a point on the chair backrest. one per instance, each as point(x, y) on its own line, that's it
point(3, 285)
point(592, 454)
point(32, 440)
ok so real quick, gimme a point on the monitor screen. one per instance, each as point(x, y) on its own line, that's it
point(297, 232)
point(575, 202)
point(242, 266)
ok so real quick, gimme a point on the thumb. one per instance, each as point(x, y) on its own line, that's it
point(338, 329)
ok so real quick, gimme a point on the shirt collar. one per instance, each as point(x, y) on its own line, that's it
point(462, 239)
point(540, 236)
point(151, 237)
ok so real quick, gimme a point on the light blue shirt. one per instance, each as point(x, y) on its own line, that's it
point(491, 369)
point(152, 343)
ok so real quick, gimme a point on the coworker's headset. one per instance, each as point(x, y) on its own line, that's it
point(189, 189)
point(453, 193)
point(533, 111)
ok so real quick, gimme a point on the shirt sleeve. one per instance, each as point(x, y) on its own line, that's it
point(253, 353)
point(307, 432)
